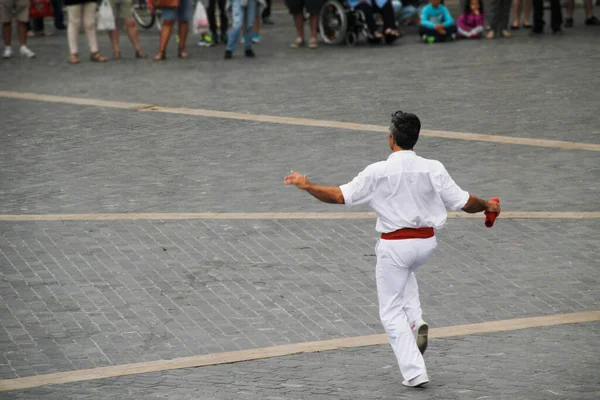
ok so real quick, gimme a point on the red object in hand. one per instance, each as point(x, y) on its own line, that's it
point(40, 9)
point(490, 217)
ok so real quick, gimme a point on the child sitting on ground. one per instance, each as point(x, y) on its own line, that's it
point(437, 24)
point(471, 22)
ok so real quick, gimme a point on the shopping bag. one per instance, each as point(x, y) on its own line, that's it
point(200, 19)
point(105, 17)
point(40, 9)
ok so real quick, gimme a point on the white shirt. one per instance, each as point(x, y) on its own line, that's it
point(406, 191)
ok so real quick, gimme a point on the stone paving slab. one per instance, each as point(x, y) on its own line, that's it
point(86, 294)
point(558, 362)
point(106, 160)
point(527, 87)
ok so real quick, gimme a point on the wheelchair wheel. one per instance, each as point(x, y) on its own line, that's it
point(351, 39)
point(333, 22)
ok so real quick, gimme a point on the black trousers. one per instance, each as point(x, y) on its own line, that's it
point(368, 11)
point(439, 37)
point(267, 11)
point(387, 12)
point(538, 15)
point(211, 12)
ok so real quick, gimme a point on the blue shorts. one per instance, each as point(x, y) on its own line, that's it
point(182, 13)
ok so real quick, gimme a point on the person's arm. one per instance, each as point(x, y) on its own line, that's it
point(475, 205)
point(327, 194)
point(448, 21)
point(425, 18)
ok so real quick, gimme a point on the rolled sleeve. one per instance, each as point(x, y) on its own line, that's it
point(452, 195)
point(361, 189)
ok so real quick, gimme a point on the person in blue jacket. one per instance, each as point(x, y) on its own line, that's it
point(437, 24)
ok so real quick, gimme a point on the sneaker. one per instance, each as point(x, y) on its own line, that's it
point(25, 52)
point(592, 21)
point(568, 22)
point(250, 53)
point(7, 52)
point(256, 38)
point(418, 381)
point(228, 55)
point(430, 39)
point(421, 329)
point(206, 41)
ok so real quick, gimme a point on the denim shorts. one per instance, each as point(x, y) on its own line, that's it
point(182, 13)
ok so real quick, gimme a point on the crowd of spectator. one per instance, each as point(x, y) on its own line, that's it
point(435, 22)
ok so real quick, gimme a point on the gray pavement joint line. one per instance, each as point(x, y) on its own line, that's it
point(300, 121)
point(286, 350)
point(277, 215)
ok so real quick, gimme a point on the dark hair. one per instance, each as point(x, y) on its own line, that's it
point(468, 6)
point(405, 129)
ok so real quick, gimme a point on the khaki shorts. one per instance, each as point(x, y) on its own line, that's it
point(10, 8)
point(121, 8)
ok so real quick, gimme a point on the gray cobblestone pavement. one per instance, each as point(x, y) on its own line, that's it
point(559, 362)
point(87, 294)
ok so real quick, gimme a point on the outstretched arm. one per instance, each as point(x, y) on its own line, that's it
point(475, 205)
point(327, 194)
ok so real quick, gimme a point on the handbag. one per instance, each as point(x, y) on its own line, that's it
point(40, 9)
point(166, 3)
point(105, 18)
point(200, 19)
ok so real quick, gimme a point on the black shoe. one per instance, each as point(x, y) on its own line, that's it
point(592, 21)
point(228, 55)
point(250, 53)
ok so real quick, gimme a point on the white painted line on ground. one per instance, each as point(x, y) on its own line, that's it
point(301, 121)
point(285, 350)
point(279, 215)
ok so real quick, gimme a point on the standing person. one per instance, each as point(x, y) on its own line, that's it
point(76, 11)
point(296, 8)
point(20, 8)
point(122, 10)
point(500, 17)
point(183, 13)
point(37, 24)
point(555, 18)
point(243, 12)
point(471, 22)
point(590, 19)
point(519, 5)
point(211, 13)
point(410, 195)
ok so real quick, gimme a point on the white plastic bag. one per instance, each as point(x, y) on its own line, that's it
point(200, 19)
point(105, 18)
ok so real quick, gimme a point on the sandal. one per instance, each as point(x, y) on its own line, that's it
point(74, 59)
point(312, 43)
point(160, 56)
point(140, 54)
point(182, 54)
point(490, 35)
point(298, 43)
point(505, 33)
point(97, 57)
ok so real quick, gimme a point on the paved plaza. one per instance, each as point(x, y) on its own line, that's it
point(149, 249)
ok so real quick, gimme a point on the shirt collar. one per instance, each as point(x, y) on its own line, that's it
point(401, 153)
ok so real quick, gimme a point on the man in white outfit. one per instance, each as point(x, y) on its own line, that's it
point(410, 195)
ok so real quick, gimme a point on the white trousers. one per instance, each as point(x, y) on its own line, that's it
point(398, 294)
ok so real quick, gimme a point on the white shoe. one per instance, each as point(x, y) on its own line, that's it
point(7, 52)
point(418, 381)
point(421, 330)
point(25, 52)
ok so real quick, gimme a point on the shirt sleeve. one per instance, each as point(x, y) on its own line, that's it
point(448, 20)
point(425, 18)
point(452, 195)
point(360, 190)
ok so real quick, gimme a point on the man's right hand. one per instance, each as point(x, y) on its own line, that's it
point(440, 29)
point(492, 207)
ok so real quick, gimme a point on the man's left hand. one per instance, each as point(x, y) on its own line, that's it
point(297, 179)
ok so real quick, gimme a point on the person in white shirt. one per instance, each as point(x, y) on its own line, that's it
point(409, 195)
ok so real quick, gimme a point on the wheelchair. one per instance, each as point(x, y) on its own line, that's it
point(339, 24)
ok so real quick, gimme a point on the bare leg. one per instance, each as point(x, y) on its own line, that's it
point(7, 33)
point(589, 8)
point(183, 32)
point(527, 12)
point(517, 5)
point(257, 24)
point(299, 22)
point(22, 32)
point(114, 40)
point(314, 26)
point(165, 35)
point(570, 8)
point(132, 32)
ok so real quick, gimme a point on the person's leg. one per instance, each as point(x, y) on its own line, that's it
point(496, 16)
point(37, 25)
point(517, 7)
point(89, 25)
point(234, 35)
point(370, 20)
point(134, 38)
point(257, 24)
point(59, 17)
point(249, 15)
point(117, 7)
point(412, 304)
point(538, 16)
point(223, 18)
point(389, 19)
point(74, 13)
point(165, 34)
point(556, 15)
point(7, 33)
point(394, 259)
point(266, 13)
point(527, 13)
point(211, 14)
